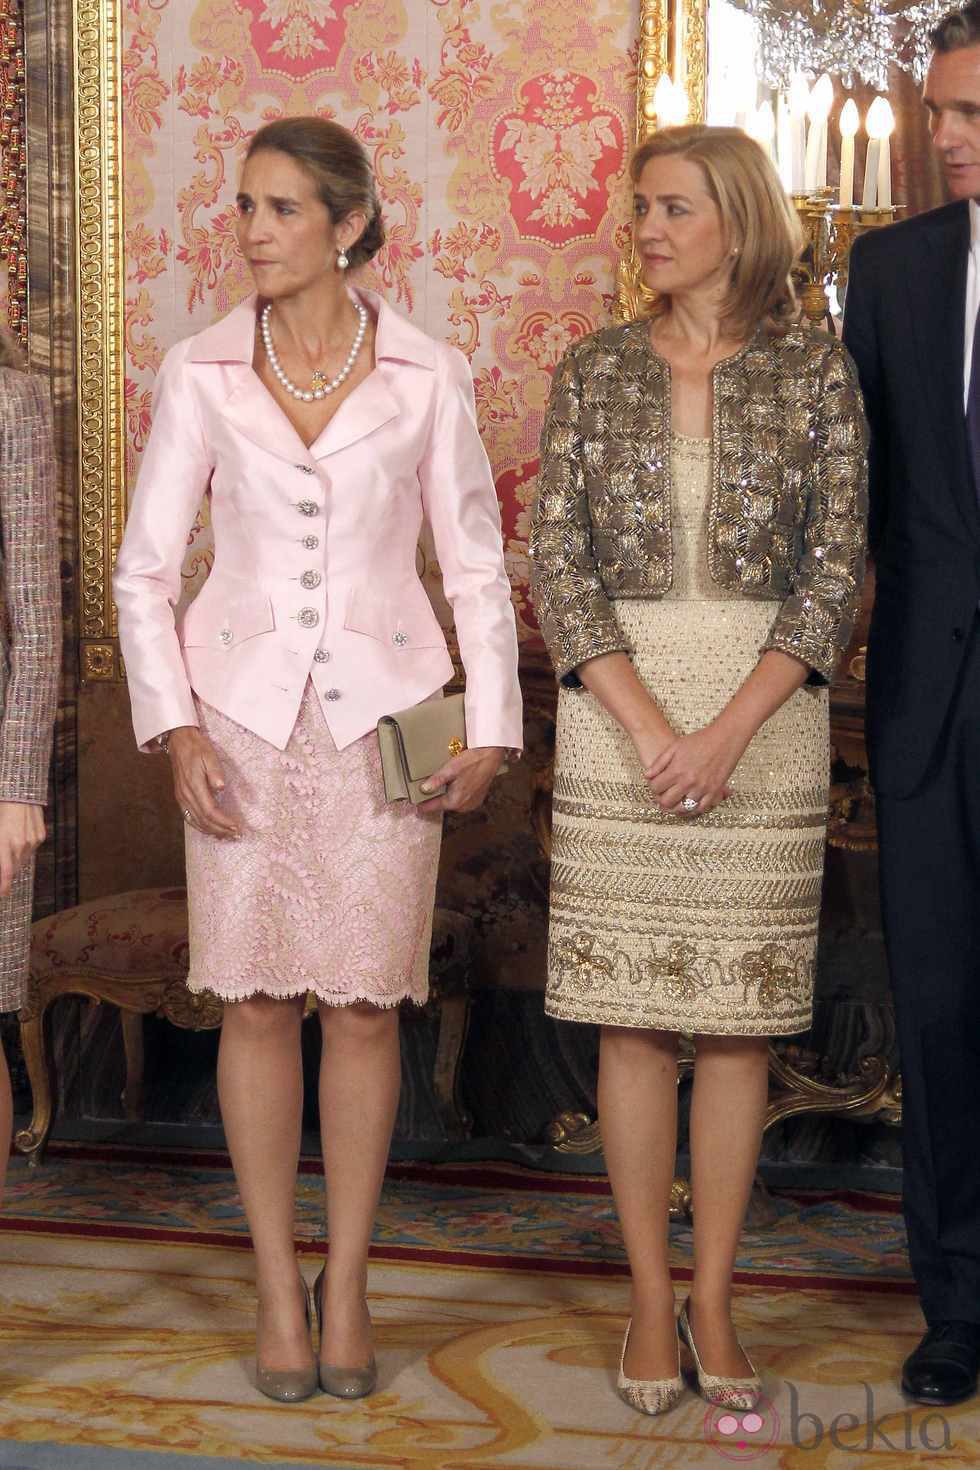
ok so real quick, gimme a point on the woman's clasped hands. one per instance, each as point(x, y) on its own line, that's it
point(691, 774)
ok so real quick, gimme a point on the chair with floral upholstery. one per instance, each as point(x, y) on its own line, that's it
point(130, 950)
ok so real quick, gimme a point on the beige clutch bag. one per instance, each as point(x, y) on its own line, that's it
point(417, 741)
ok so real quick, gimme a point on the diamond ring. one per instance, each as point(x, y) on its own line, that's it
point(689, 804)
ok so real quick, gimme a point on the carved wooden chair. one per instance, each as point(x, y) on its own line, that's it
point(130, 950)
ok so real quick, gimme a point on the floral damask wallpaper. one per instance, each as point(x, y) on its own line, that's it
point(500, 131)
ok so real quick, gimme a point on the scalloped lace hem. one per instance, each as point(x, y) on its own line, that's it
point(387, 1002)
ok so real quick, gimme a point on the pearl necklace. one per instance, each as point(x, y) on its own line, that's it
point(321, 385)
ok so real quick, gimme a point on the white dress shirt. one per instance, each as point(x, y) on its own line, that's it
point(972, 297)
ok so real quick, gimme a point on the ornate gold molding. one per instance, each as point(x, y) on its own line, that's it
point(653, 59)
point(99, 324)
point(673, 38)
point(691, 62)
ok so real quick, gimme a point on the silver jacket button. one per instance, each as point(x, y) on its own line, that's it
point(226, 635)
point(307, 617)
point(307, 507)
point(399, 638)
point(311, 542)
point(333, 694)
point(321, 656)
point(309, 580)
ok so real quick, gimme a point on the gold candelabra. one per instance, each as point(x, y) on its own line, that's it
point(829, 231)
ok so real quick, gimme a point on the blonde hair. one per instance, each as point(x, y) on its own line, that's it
point(756, 215)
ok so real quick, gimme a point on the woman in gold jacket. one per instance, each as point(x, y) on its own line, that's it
point(697, 554)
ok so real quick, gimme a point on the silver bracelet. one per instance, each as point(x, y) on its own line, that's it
point(163, 742)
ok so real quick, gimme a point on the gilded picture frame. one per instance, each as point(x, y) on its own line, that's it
point(672, 40)
point(99, 284)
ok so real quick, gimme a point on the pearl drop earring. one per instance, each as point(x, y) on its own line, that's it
point(342, 261)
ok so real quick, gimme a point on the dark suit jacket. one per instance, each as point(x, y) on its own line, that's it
point(904, 326)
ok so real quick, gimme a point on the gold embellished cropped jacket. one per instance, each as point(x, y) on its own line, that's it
point(788, 509)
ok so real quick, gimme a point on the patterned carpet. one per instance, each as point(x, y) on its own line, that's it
point(499, 1297)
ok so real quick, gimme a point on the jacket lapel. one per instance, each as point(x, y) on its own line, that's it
point(937, 298)
point(371, 404)
point(251, 409)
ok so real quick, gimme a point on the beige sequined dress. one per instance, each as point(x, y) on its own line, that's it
point(705, 924)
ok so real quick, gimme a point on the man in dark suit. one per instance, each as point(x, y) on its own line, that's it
point(911, 324)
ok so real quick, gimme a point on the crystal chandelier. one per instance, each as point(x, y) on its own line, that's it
point(850, 39)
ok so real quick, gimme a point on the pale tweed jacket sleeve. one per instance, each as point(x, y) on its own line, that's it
point(31, 592)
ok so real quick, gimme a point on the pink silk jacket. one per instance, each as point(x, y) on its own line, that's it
point(314, 573)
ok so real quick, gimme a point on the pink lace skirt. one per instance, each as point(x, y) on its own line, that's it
point(329, 890)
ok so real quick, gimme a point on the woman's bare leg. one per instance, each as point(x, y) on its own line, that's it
point(638, 1117)
point(260, 1086)
point(360, 1078)
point(728, 1107)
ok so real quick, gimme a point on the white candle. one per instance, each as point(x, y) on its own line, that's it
point(885, 175)
point(821, 100)
point(878, 165)
point(762, 127)
point(814, 140)
point(799, 96)
point(869, 197)
point(885, 162)
point(784, 143)
point(848, 127)
point(670, 103)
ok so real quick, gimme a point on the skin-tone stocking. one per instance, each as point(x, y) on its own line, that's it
point(360, 1077)
point(638, 1116)
point(260, 1086)
point(728, 1108)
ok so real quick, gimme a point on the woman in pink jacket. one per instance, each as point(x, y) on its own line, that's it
point(324, 427)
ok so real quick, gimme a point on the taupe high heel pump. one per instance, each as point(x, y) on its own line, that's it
point(290, 1385)
point(342, 1383)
